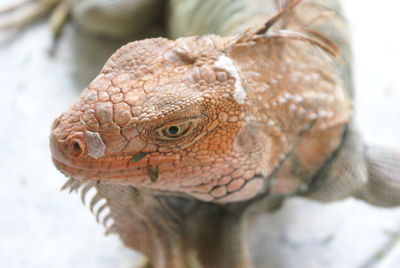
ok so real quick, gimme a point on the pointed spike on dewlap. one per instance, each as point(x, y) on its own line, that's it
point(105, 219)
point(75, 186)
point(84, 191)
point(94, 201)
point(67, 184)
point(98, 212)
point(110, 230)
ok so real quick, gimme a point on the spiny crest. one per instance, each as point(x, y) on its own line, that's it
point(98, 204)
point(297, 31)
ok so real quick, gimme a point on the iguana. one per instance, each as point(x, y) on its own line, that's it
point(189, 140)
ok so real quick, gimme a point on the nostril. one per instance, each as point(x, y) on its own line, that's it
point(76, 148)
point(64, 149)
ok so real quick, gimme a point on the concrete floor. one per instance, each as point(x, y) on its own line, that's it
point(41, 227)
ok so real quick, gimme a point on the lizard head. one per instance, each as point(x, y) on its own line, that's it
point(166, 115)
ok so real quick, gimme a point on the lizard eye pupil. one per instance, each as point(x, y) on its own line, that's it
point(173, 130)
point(77, 147)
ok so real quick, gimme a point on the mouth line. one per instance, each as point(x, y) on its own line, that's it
point(107, 174)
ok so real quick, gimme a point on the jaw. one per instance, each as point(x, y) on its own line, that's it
point(107, 174)
point(218, 184)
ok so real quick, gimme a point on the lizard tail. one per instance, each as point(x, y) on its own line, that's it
point(383, 187)
point(365, 172)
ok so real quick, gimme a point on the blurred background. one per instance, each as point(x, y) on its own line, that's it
point(42, 227)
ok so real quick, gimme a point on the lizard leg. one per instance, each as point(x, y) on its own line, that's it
point(59, 17)
point(117, 19)
point(106, 17)
point(30, 9)
point(14, 6)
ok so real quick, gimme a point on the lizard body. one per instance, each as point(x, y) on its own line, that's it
point(189, 140)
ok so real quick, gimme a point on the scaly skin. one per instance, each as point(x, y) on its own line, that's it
point(229, 144)
point(188, 140)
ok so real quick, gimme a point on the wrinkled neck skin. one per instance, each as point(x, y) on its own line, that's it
point(183, 232)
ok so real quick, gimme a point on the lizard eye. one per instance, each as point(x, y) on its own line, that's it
point(174, 131)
